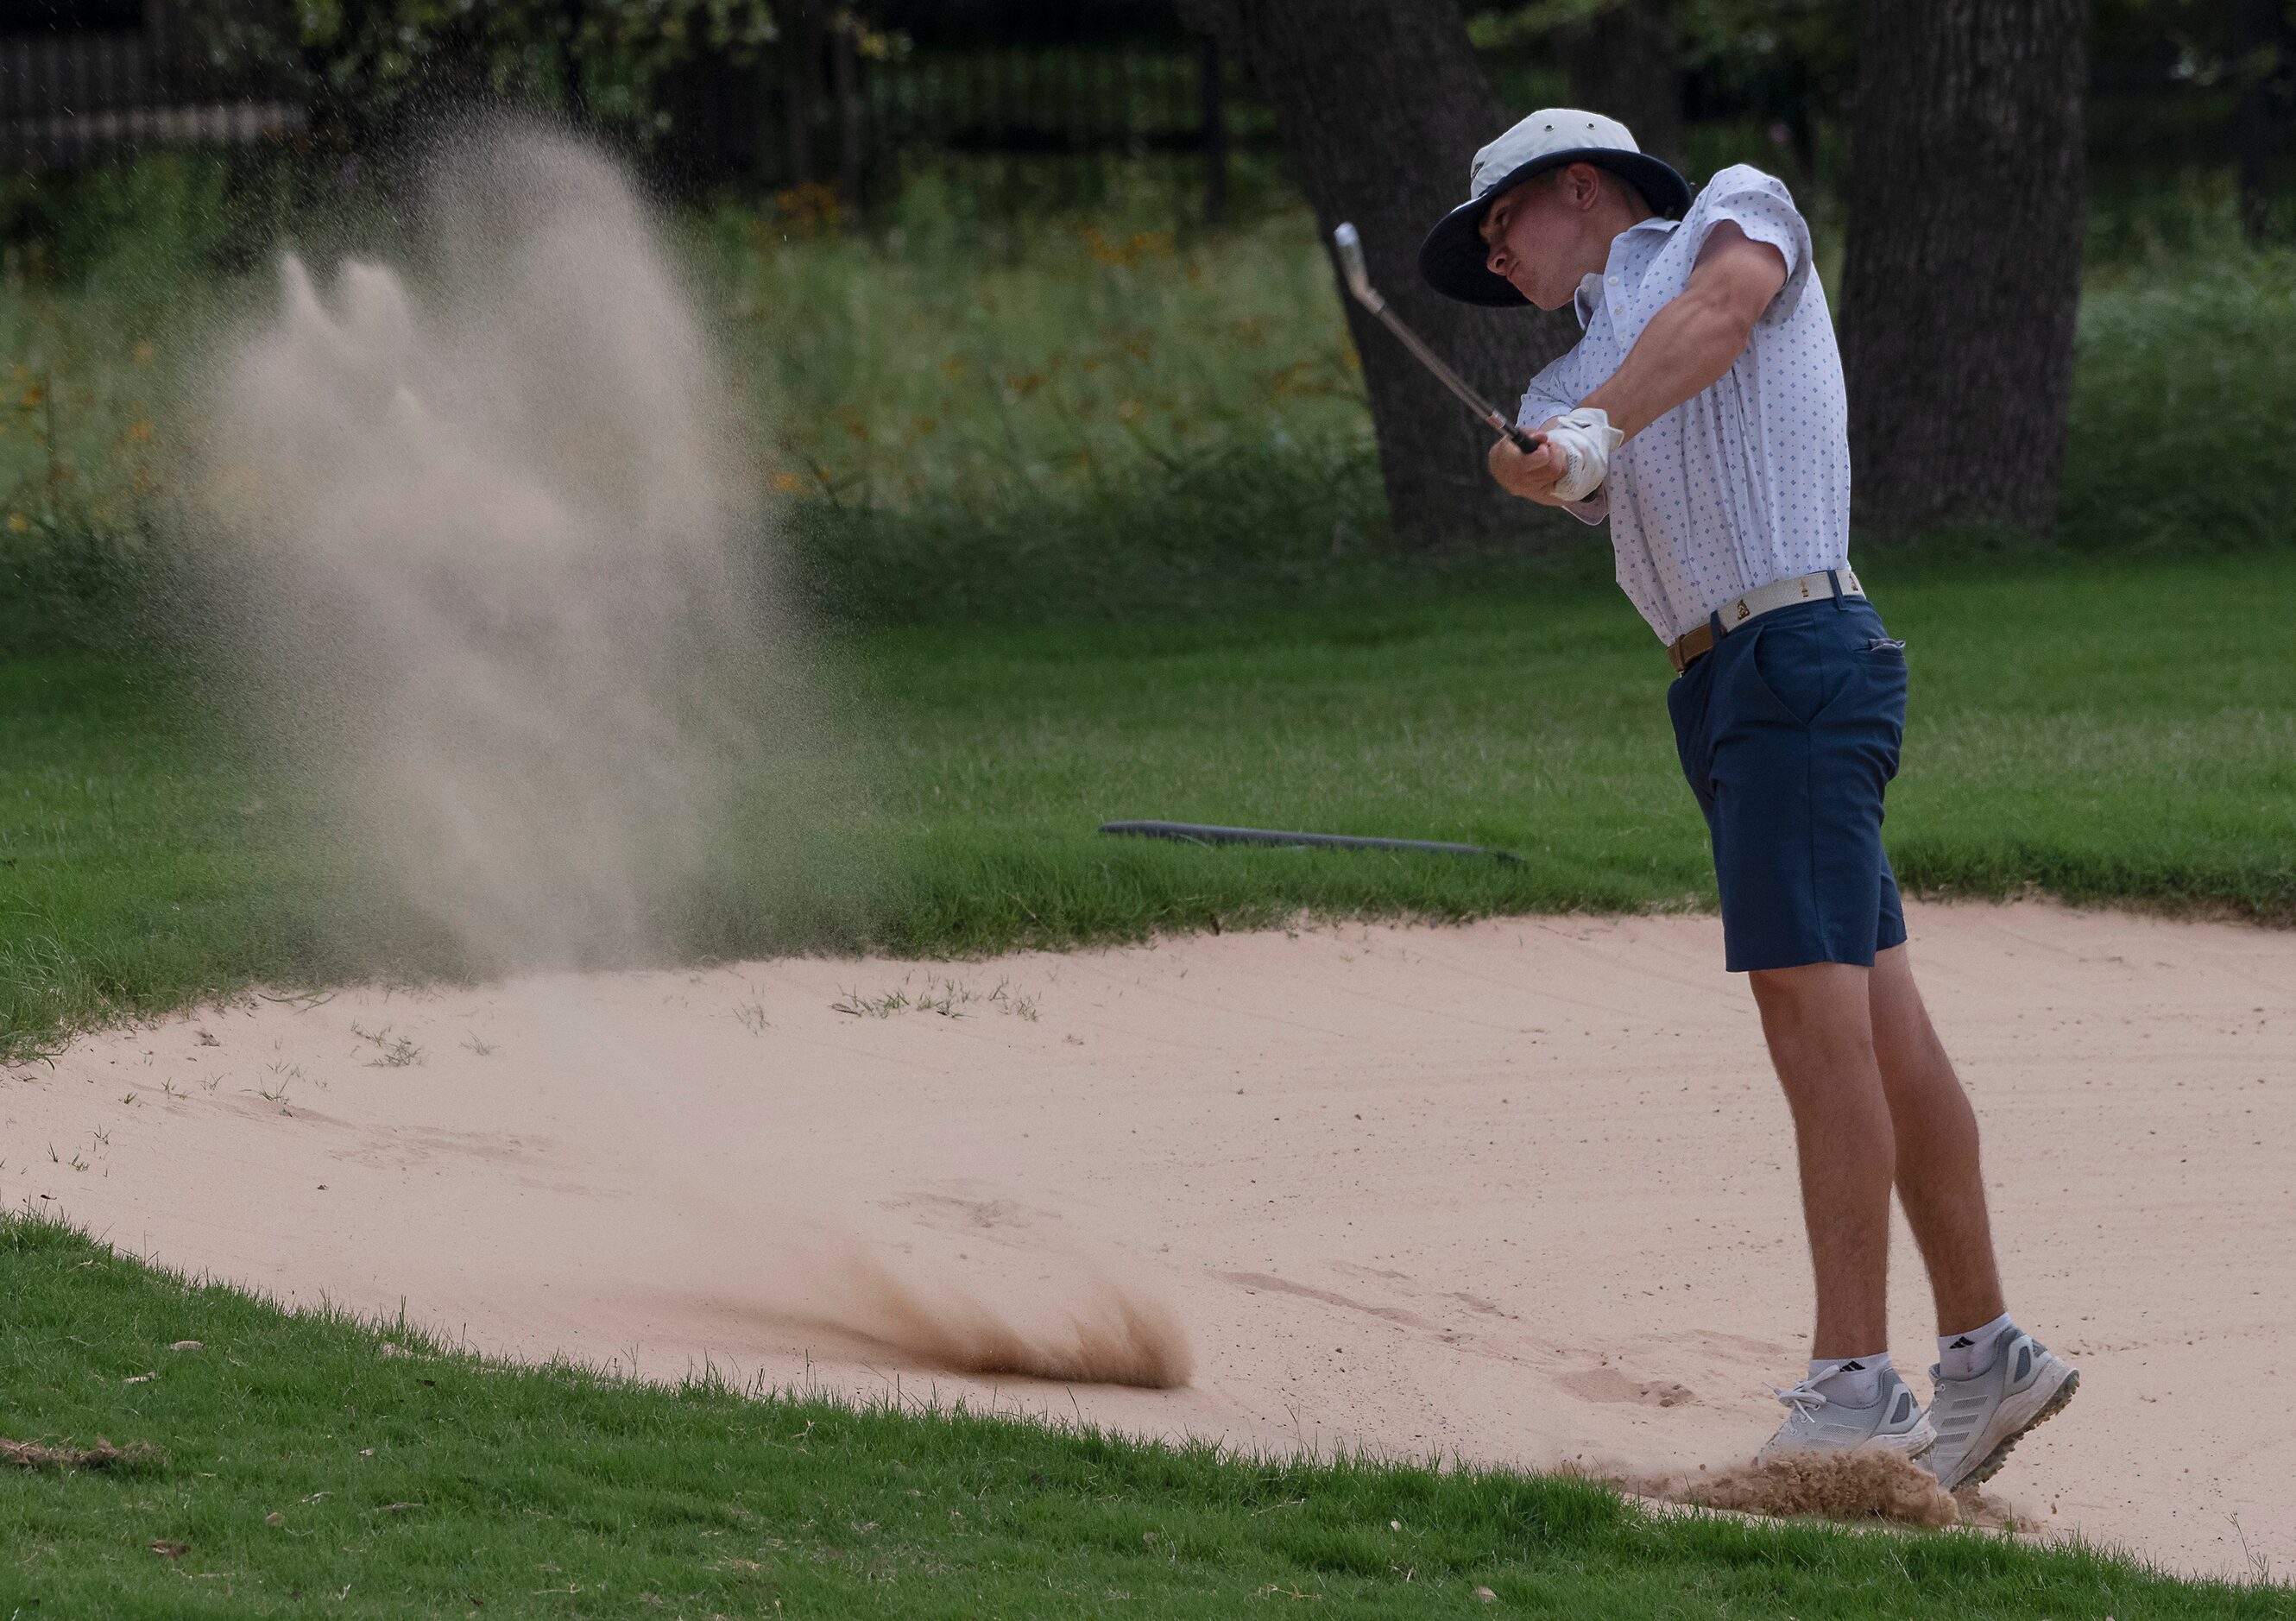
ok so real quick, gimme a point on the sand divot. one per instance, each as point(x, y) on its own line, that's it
point(103, 1454)
point(1110, 1335)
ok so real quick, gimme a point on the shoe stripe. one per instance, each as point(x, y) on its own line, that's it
point(1994, 1460)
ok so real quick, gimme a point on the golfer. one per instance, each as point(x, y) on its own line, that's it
point(1702, 415)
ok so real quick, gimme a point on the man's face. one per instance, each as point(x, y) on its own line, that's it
point(1532, 234)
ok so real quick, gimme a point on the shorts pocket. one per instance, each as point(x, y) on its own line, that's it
point(1796, 667)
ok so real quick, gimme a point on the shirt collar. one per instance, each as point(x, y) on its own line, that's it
point(1588, 298)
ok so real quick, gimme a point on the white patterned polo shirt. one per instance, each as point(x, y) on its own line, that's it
point(1746, 482)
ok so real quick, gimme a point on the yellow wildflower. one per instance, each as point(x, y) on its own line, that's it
point(18, 523)
point(788, 483)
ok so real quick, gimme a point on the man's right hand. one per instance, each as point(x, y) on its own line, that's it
point(1528, 473)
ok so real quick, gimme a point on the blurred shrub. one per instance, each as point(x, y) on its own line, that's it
point(2181, 396)
point(1279, 521)
point(960, 415)
point(67, 579)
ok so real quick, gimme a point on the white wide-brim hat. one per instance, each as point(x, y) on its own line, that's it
point(1453, 258)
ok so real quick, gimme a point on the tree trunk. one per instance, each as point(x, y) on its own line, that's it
point(1962, 272)
point(1379, 106)
point(1624, 62)
point(2264, 57)
point(1211, 79)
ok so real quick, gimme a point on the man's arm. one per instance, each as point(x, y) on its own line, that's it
point(1685, 349)
point(1691, 342)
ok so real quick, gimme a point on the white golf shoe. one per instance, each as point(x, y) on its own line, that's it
point(1980, 1418)
point(1820, 1422)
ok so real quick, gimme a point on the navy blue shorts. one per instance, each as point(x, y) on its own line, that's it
point(1789, 733)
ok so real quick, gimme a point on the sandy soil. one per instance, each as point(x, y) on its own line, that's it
point(1519, 1192)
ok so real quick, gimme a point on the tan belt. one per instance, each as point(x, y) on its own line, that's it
point(1686, 650)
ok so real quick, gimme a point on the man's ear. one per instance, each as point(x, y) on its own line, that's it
point(1585, 184)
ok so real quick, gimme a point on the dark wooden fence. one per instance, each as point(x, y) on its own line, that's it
point(78, 79)
point(830, 105)
point(865, 126)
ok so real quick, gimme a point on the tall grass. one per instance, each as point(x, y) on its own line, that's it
point(2182, 399)
point(958, 417)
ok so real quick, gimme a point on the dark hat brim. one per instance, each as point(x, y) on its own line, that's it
point(1453, 258)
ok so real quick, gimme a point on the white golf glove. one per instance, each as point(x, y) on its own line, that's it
point(1586, 439)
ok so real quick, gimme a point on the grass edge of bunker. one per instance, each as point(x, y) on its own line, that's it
point(312, 1456)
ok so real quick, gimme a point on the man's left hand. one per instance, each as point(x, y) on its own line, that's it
point(1528, 473)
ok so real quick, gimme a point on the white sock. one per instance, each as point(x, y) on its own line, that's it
point(1854, 1381)
point(1967, 1355)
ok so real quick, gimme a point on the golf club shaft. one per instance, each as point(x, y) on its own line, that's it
point(1452, 380)
point(1349, 245)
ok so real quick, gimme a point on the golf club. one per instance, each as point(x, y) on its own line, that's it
point(1197, 832)
point(1349, 247)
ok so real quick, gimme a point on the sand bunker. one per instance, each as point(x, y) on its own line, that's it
point(1520, 1192)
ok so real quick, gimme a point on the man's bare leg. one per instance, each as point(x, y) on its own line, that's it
point(1938, 1179)
point(1819, 1022)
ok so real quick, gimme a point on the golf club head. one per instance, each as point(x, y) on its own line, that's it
point(1349, 247)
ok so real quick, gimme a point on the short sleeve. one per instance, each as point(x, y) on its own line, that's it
point(1760, 206)
point(1553, 392)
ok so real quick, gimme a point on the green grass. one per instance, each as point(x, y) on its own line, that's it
point(2104, 730)
point(2063, 736)
point(302, 1468)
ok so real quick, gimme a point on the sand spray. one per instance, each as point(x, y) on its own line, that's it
point(493, 564)
point(1831, 1486)
point(485, 550)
